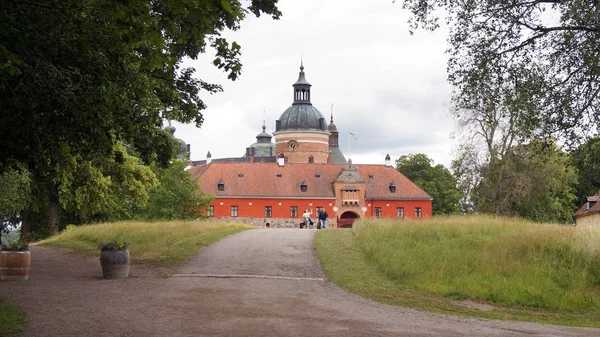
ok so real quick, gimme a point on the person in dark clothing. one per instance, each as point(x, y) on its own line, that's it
point(323, 219)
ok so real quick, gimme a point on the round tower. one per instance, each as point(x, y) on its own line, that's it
point(301, 134)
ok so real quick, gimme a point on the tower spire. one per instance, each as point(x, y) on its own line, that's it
point(301, 87)
point(331, 114)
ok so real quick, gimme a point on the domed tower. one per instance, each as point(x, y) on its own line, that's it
point(301, 132)
point(184, 149)
point(263, 146)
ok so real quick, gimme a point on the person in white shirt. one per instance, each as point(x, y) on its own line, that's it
point(306, 216)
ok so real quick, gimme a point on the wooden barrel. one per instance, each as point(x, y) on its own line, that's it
point(14, 265)
point(115, 263)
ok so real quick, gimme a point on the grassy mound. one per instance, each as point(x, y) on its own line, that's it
point(538, 272)
point(155, 243)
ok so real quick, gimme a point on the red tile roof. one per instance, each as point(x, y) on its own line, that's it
point(583, 210)
point(271, 180)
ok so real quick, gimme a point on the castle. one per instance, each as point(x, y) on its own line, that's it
point(273, 183)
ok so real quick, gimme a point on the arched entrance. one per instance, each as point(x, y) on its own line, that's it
point(347, 219)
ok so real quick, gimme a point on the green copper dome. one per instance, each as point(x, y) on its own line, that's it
point(302, 115)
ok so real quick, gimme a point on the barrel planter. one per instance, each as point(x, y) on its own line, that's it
point(115, 263)
point(14, 265)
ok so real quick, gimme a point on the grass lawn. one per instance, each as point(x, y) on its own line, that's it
point(161, 244)
point(12, 319)
point(484, 267)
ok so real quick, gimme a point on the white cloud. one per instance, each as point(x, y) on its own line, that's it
point(386, 86)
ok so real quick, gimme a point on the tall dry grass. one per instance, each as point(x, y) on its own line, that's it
point(158, 243)
point(504, 261)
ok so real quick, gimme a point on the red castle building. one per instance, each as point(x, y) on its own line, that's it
point(305, 169)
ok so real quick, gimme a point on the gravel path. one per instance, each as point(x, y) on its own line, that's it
point(281, 295)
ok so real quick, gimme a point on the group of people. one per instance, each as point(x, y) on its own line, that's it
point(308, 223)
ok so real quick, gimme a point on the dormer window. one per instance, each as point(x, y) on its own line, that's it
point(392, 188)
point(221, 185)
point(303, 186)
point(311, 159)
point(241, 175)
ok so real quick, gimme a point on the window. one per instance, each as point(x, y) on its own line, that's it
point(241, 175)
point(294, 211)
point(234, 211)
point(317, 176)
point(400, 212)
point(311, 159)
point(268, 211)
point(303, 186)
point(221, 185)
point(392, 188)
point(418, 212)
point(378, 212)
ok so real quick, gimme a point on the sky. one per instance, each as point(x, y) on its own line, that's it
point(385, 86)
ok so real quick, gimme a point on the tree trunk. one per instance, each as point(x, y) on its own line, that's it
point(25, 226)
point(53, 210)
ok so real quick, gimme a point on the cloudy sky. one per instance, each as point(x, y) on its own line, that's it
point(387, 87)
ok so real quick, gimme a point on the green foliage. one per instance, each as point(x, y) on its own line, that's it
point(436, 180)
point(539, 56)
point(158, 243)
point(534, 181)
point(107, 189)
point(177, 196)
point(12, 319)
point(15, 245)
point(119, 244)
point(15, 196)
point(586, 159)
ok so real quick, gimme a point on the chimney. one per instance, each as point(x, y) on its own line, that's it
point(208, 158)
point(388, 161)
point(281, 160)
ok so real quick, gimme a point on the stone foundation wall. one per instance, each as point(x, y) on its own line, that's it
point(274, 222)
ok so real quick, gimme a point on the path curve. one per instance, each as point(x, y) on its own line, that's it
point(66, 296)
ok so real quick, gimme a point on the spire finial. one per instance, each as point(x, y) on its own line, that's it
point(264, 127)
point(332, 113)
point(301, 63)
point(169, 122)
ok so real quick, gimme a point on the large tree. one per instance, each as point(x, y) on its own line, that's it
point(533, 180)
point(177, 196)
point(546, 52)
point(78, 77)
point(436, 180)
point(586, 159)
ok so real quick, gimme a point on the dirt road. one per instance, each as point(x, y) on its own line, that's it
point(255, 283)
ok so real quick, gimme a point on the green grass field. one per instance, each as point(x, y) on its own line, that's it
point(12, 319)
point(517, 269)
point(162, 244)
